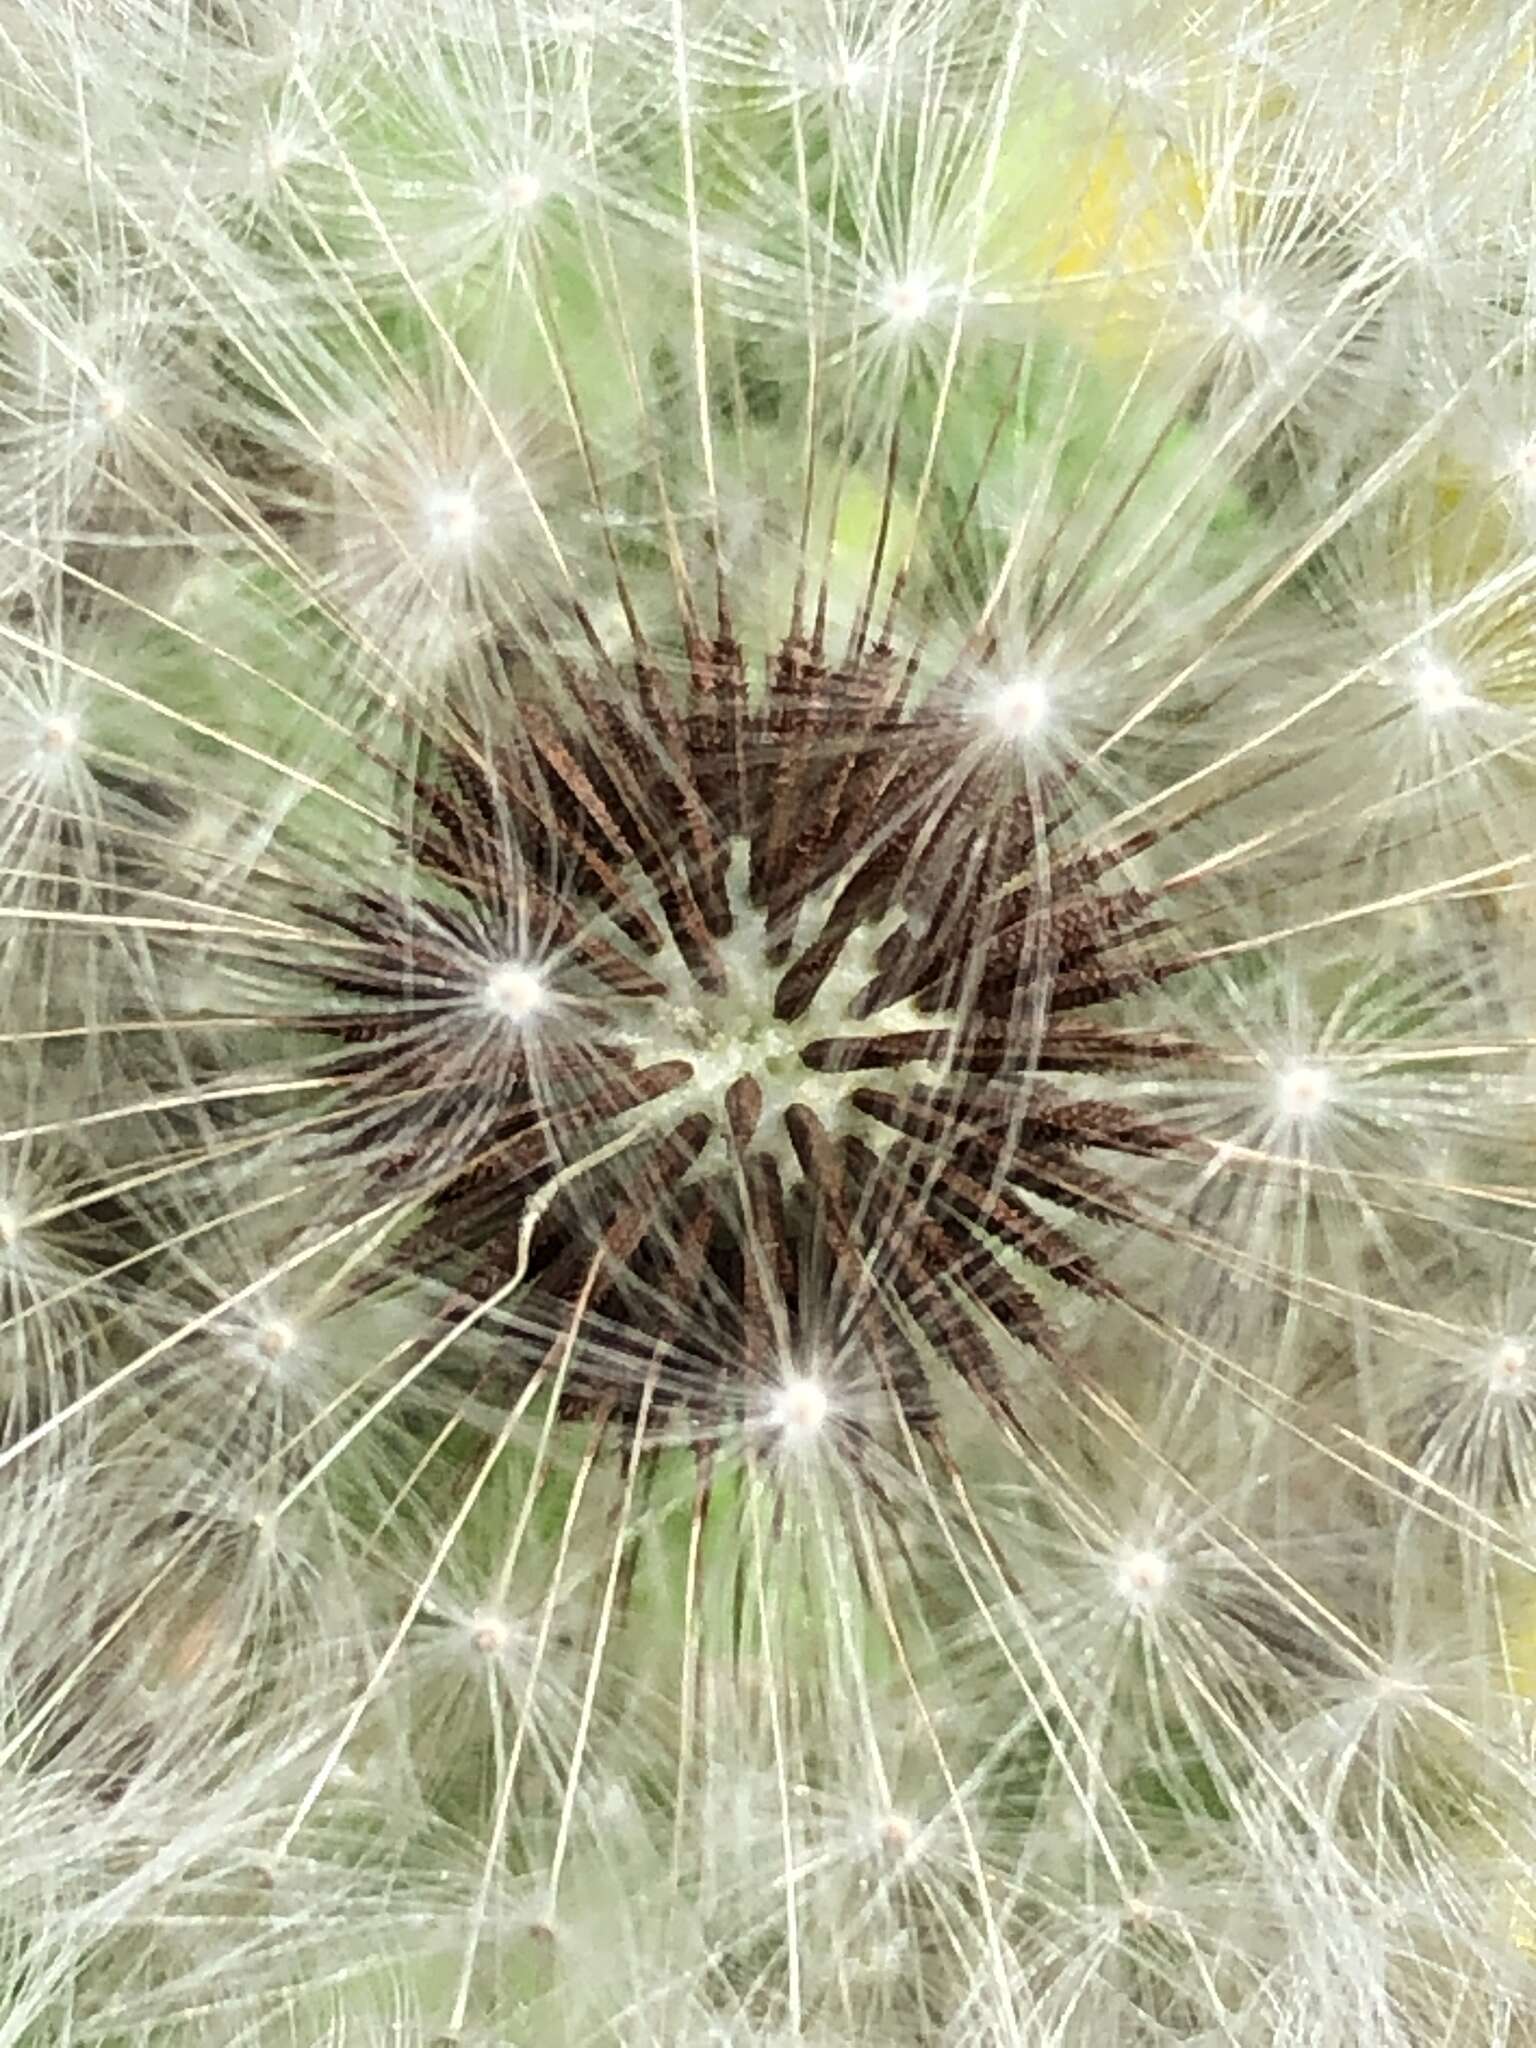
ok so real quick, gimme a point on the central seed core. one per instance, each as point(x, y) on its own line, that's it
point(736, 1033)
point(815, 1035)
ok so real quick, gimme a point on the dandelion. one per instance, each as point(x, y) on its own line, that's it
point(765, 1126)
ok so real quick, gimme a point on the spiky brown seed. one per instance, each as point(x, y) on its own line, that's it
point(797, 1032)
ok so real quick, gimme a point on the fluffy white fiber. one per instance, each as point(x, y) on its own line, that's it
point(767, 1105)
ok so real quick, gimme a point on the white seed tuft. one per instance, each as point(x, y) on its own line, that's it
point(1303, 1091)
point(1143, 1577)
point(516, 992)
point(799, 1411)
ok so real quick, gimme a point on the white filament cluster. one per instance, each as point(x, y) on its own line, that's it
point(515, 992)
point(799, 1411)
point(1303, 1091)
point(1143, 1577)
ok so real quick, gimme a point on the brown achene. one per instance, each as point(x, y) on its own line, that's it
point(793, 1016)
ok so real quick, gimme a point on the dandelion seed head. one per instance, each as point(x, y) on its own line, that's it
point(907, 301)
point(751, 921)
point(1396, 1689)
point(1439, 687)
point(453, 518)
point(520, 191)
point(799, 1411)
point(273, 156)
point(777, 1008)
point(490, 1633)
point(113, 404)
point(897, 1833)
point(58, 735)
point(1303, 1091)
point(1019, 709)
point(275, 1339)
point(515, 991)
point(850, 73)
point(1248, 314)
point(1143, 1577)
point(1508, 1366)
point(1408, 244)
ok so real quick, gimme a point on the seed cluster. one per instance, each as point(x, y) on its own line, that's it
point(805, 1017)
